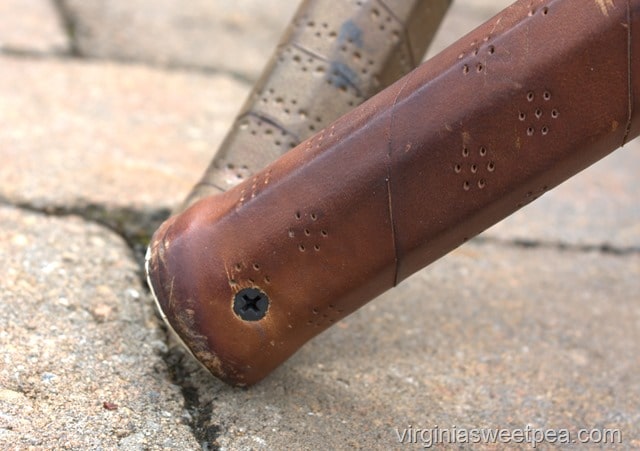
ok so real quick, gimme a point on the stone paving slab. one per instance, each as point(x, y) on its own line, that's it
point(77, 330)
point(488, 337)
point(108, 134)
point(31, 26)
point(236, 37)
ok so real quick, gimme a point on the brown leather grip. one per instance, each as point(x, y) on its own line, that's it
point(525, 101)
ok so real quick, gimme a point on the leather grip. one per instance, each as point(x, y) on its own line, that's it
point(525, 101)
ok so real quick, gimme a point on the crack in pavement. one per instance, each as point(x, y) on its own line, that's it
point(136, 226)
point(25, 53)
point(181, 369)
point(169, 67)
point(69, 25)
point(560, 246)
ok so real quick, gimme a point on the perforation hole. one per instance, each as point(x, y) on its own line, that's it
point(465, 152)
point(554, 114)
point(324, 233)
point(483, 151)
point(546, 95)
point(492, 50)
point(530, 96)
point(465, 69)
point(522, 116)
point(491, 166)
point(474, 168)
point(530, 131)
point(482, 183)
point(301, 248)
point(457, 168)
point(544, 130)
point(466, 186)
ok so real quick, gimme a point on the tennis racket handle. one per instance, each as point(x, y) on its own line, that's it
point(511, 110)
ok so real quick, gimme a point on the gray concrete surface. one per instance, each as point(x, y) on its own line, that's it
point(109, 112)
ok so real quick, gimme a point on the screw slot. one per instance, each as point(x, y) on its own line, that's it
point(250, 304)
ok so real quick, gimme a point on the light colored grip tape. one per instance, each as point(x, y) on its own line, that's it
point(332, 57)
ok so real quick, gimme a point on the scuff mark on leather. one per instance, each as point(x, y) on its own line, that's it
point(605, 5)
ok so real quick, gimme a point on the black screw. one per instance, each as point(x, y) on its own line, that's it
point(250, 304)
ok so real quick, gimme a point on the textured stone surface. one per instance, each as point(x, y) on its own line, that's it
point(598, 207)
point(236, 37)
point(31, 26)
point(108, 134)
point(77, 331)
